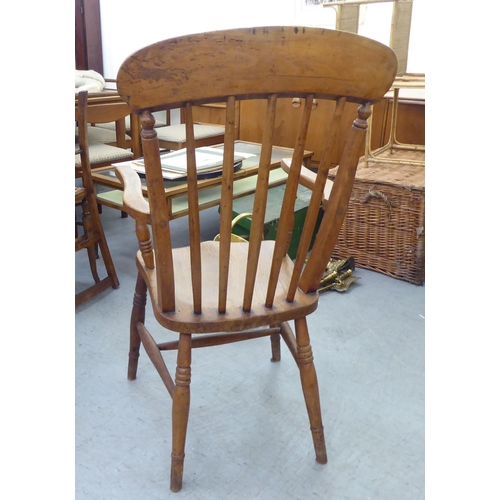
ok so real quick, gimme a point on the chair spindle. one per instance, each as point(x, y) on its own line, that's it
point(260, 201)
point(193, 212)
point(333, 217)
point(226, 205)
point(159, 213)
point(316, 197)
point(287, 215)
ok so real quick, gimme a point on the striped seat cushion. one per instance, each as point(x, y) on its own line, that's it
point(98, 135)
point(103, 153)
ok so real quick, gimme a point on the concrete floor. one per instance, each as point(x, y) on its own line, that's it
point(248, 434)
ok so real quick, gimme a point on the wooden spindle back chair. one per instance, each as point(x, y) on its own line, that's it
point(93, 237)
point(250, 290)
point(106, 147)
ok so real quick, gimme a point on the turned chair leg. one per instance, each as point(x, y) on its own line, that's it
point(92, 256)
point(310, 388)
point(180, 410)
point(275, 346)
point(138, 316)
point(103, 246)
point(88, 229)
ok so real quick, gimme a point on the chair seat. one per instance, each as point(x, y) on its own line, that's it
point(177, 133)
point(184, 321)
point(105, 154)
point(80, 193)
point(98, 135)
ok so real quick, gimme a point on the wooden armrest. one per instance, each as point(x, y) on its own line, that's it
point(133, 199)
point(308, 178)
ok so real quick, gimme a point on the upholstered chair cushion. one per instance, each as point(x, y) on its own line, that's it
point(98, 135)
point(177, 133)
point(103, 153)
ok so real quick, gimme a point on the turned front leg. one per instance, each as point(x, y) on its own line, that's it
point(180, 410)
point(138, 316)
point(310, 388)
point(140, 296)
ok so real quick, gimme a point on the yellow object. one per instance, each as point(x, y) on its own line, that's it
point(234, 237)
point(338, 275)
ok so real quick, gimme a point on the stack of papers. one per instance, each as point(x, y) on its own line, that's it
point(174, 164)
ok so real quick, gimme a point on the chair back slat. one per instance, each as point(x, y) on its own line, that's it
point(286, 63)
point(226, 205)
point(159, 213)
point(287, 216)
point(313, 209)
point(260, 201)
point(336, 208)
point(193, 212)
point(81, 119)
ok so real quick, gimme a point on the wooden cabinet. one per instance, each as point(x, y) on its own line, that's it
point(214, 113)
point(88, 39)
point(250, 117)
point(411, 123)
point(287, 120)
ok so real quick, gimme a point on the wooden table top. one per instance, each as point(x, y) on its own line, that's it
point(209, 189)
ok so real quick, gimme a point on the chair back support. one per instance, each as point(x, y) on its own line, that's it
point(254, 63)
point(83, 170)
point(93, 233)
point(110, 112)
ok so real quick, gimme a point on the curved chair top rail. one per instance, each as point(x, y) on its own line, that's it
point(206, 67)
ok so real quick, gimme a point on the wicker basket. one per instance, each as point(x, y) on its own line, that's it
point(384, 226)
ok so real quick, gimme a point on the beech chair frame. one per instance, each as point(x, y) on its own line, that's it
point(216, 292)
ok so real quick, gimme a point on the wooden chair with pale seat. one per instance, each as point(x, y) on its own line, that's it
point(108, 136)
point(216, 292)
point(93, 237)
point(174, 137)
point(106, 146)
